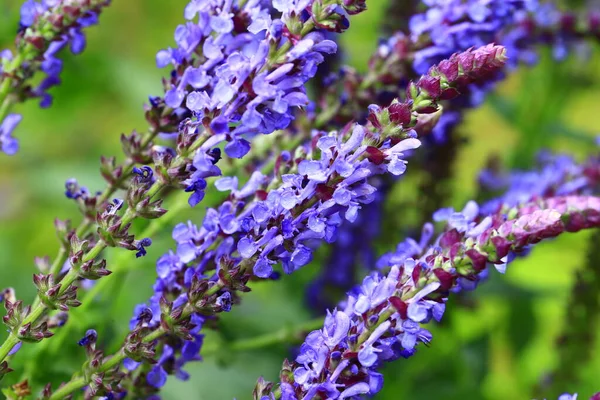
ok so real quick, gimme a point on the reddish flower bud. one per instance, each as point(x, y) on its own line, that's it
point(400, 113)
point(431, 85)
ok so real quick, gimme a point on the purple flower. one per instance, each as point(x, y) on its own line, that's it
point(556, 174)
point(90, 337)
point(141, 247)
point(288, 217)
point(8, 144)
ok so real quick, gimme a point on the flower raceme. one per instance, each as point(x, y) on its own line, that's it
point(444, 28)
point(312, 191)
point(558, 175)
point(238, 72)
point(46, 27)
point(381, 320)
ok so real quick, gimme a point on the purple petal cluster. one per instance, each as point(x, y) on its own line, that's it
point(557, 175)
point(382, 319)
point(31, 11)
point(253, 71)
point(8, 143)
point(460, 24)
point(239, 72)
point(306, 207)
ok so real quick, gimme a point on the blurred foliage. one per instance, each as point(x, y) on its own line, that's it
point(495, 344)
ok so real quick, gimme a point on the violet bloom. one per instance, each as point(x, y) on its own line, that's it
point(9, 144)
point(556, 174)
point(250, 80)
point(275, 230)
point(73, 38)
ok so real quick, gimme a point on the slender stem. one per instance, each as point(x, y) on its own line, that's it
point(284, 335)
point(10, 342)
point(67, 389)
point(5, 102)
point(156, 334)
point(59, 261)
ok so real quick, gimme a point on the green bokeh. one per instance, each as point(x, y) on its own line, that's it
point(497, 349)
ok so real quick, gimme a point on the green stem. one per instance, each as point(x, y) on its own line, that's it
point(59, 261)
point(67, 389)
point(284, 335)
point(5, 102)
point(10, 342)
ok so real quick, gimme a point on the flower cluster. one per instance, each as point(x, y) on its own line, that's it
point(45, 28)
point(351, 253)
point(304, 203)
point(271, 65)
point(381, 319)
point(238, 72)
point(557, 175)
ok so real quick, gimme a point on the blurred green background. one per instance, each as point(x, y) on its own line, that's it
point(497, 348)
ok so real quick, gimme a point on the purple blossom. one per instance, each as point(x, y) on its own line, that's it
point(8, 144)
point(556, 175)
point(237, 79)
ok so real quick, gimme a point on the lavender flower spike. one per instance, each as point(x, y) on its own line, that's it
point(239, 80)
point(381, 320)
point(45, 28)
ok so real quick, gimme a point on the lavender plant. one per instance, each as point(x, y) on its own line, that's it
point(296, 166)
